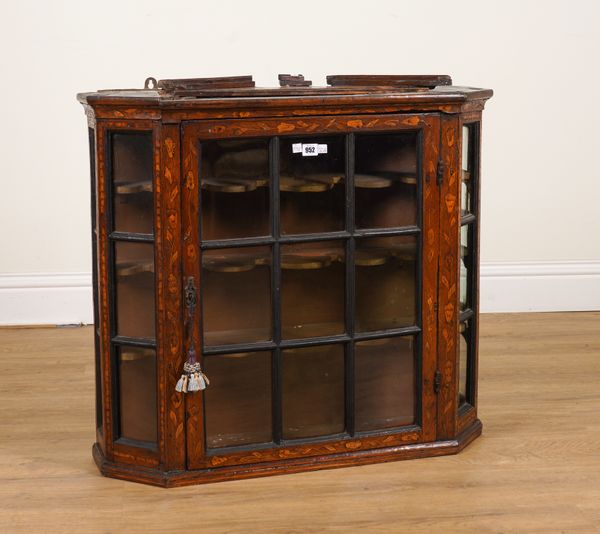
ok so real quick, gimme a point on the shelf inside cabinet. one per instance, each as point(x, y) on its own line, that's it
point(240, 336)
point(133, 188)
point(310, 183)
point(140, 353)
point(313, 258)
point(233, 185)
point(134, 268)
point(381, 181)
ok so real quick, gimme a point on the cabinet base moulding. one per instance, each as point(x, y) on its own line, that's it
point(155, 477)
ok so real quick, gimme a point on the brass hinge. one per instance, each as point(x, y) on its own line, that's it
point(437, 382)
point(440, 172)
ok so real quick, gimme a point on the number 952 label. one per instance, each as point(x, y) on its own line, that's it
point(309, 149)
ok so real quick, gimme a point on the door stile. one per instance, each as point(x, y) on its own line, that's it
point(449, 210)
point(191, 269)
point(169, 245)
point(429, 275)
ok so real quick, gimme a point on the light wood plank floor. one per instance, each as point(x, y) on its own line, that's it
point(535, 469)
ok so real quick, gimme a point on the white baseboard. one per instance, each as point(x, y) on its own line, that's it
point(66, 298)
point(49, 298)
point(540, 286)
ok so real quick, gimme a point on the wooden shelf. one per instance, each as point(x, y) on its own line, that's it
point(382, 181)
point(134, 268)
point(307, 259)
point(233, 185)
point(310, 183)
point(300, 331)
point(140, 353)
point(247, 335)
point(234, 337)
point(133, 188)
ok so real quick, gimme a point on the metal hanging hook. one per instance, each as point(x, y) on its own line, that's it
point(150, 83)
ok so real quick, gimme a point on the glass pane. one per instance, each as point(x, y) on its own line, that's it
point(238, 400)
point(97, 354)
point(134, 276)
point(312, 192)
point(386, 280)
point(236, 298)
point(234, 177)
point(137, 393)
point(132, 172)
point(312, 289)
point(466, 266)
point(313, 391)
point(464, 339)
point(385, 180)
point(385, 383)
point(98, 376)
point(467, 171)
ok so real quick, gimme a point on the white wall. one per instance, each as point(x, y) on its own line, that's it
point(541, 173)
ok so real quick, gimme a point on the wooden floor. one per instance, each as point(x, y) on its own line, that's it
point(535, 469)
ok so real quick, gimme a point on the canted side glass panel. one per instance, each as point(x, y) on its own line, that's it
point(464, 342)
point(385, 180)
point(97, 346)
point(466, 266)
point(236, 295)
point(386, 282)
point(134, 289)
point(132, 173)
point(468, 258)
point(313, 391)
point(311, 184)
point(312, 289)
point(385, 383)
point(137, 393)
point(238, 400)
point(466, 204)
point(234, 180)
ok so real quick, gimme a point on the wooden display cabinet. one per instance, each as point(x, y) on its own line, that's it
point(313, 249)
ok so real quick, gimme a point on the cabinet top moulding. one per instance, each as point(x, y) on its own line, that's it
point(237, 97)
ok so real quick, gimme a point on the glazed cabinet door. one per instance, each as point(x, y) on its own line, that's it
point(312, 245)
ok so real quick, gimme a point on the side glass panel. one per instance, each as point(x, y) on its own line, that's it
point(312, 289)
point(385, 383)
point(464, 344)
point(466, 204)
point(385, 180)
point(386, 282)
point(234, 180)
point(313, 391)
point(137, 393)
point(468, 266)
point(236, 298)
point(97, 349)
point(132, 182)
point(134, 289)
point(238, 400)
point(311, 184)
point(133, 335)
